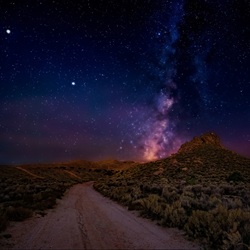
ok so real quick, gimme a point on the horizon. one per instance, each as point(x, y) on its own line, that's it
point(139, 161)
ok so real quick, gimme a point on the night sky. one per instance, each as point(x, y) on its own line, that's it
point(127, 79)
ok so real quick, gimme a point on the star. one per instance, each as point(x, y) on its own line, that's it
point(147, 80)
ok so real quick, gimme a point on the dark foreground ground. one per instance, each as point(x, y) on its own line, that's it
point(84, 219)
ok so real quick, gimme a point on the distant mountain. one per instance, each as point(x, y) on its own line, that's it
point(110, 164)
point(115, 165)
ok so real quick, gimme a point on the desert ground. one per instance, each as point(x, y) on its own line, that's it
point(84, 219)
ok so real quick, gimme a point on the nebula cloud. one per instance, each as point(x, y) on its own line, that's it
point(160, 138)
point(160, 135)
point(180, 76)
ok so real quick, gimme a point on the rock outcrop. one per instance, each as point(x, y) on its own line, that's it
point(198, 141)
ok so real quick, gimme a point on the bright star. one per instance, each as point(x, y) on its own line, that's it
point(73, 83)
point(8, 31)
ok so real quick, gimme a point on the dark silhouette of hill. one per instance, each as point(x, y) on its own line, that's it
point(204, 158)
point(199, 141)
point(109, 164)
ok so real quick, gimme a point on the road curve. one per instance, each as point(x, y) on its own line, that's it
point(84, 219)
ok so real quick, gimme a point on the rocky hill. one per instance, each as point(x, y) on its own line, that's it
point(203, 159)
point(199, 141)
point(204, 189)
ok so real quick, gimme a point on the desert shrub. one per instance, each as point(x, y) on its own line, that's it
point(18, 214)
point(240, 220)
point(126, 199)
point(203, 202)
point(220, 227)
point(135, 205)
point(232, 202)
point(98, 186)
point(191, 180)
point(136, 193)
point(3, 220)
point(235, 177)
point(207, 190)
point(213, 201)
point(186, 201)
point(227, 189)
point(145, 188)
point(151, 206)
point(47, 203)
point(155, 189)
point(216, 190)
point(130, 182)
point(174, 215)
point(197, 189)
point(119, 194)
point(187, 188)
point(170, 194)
point(37, 197)
point(166, 193)
point(202, 225)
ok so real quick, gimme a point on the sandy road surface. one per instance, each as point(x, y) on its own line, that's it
point(84, 219)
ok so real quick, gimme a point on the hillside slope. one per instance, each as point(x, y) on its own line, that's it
point(203, 188)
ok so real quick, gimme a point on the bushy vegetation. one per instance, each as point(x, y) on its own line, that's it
point(18, 213)
point(3, 220)
point(205, 192)
point(35, 188)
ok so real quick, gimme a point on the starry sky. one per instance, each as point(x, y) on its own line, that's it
point(127, 79)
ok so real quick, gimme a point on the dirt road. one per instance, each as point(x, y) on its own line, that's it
point(84, 219)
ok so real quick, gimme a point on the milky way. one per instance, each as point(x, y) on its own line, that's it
point(121, 79)
point(160, 135)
